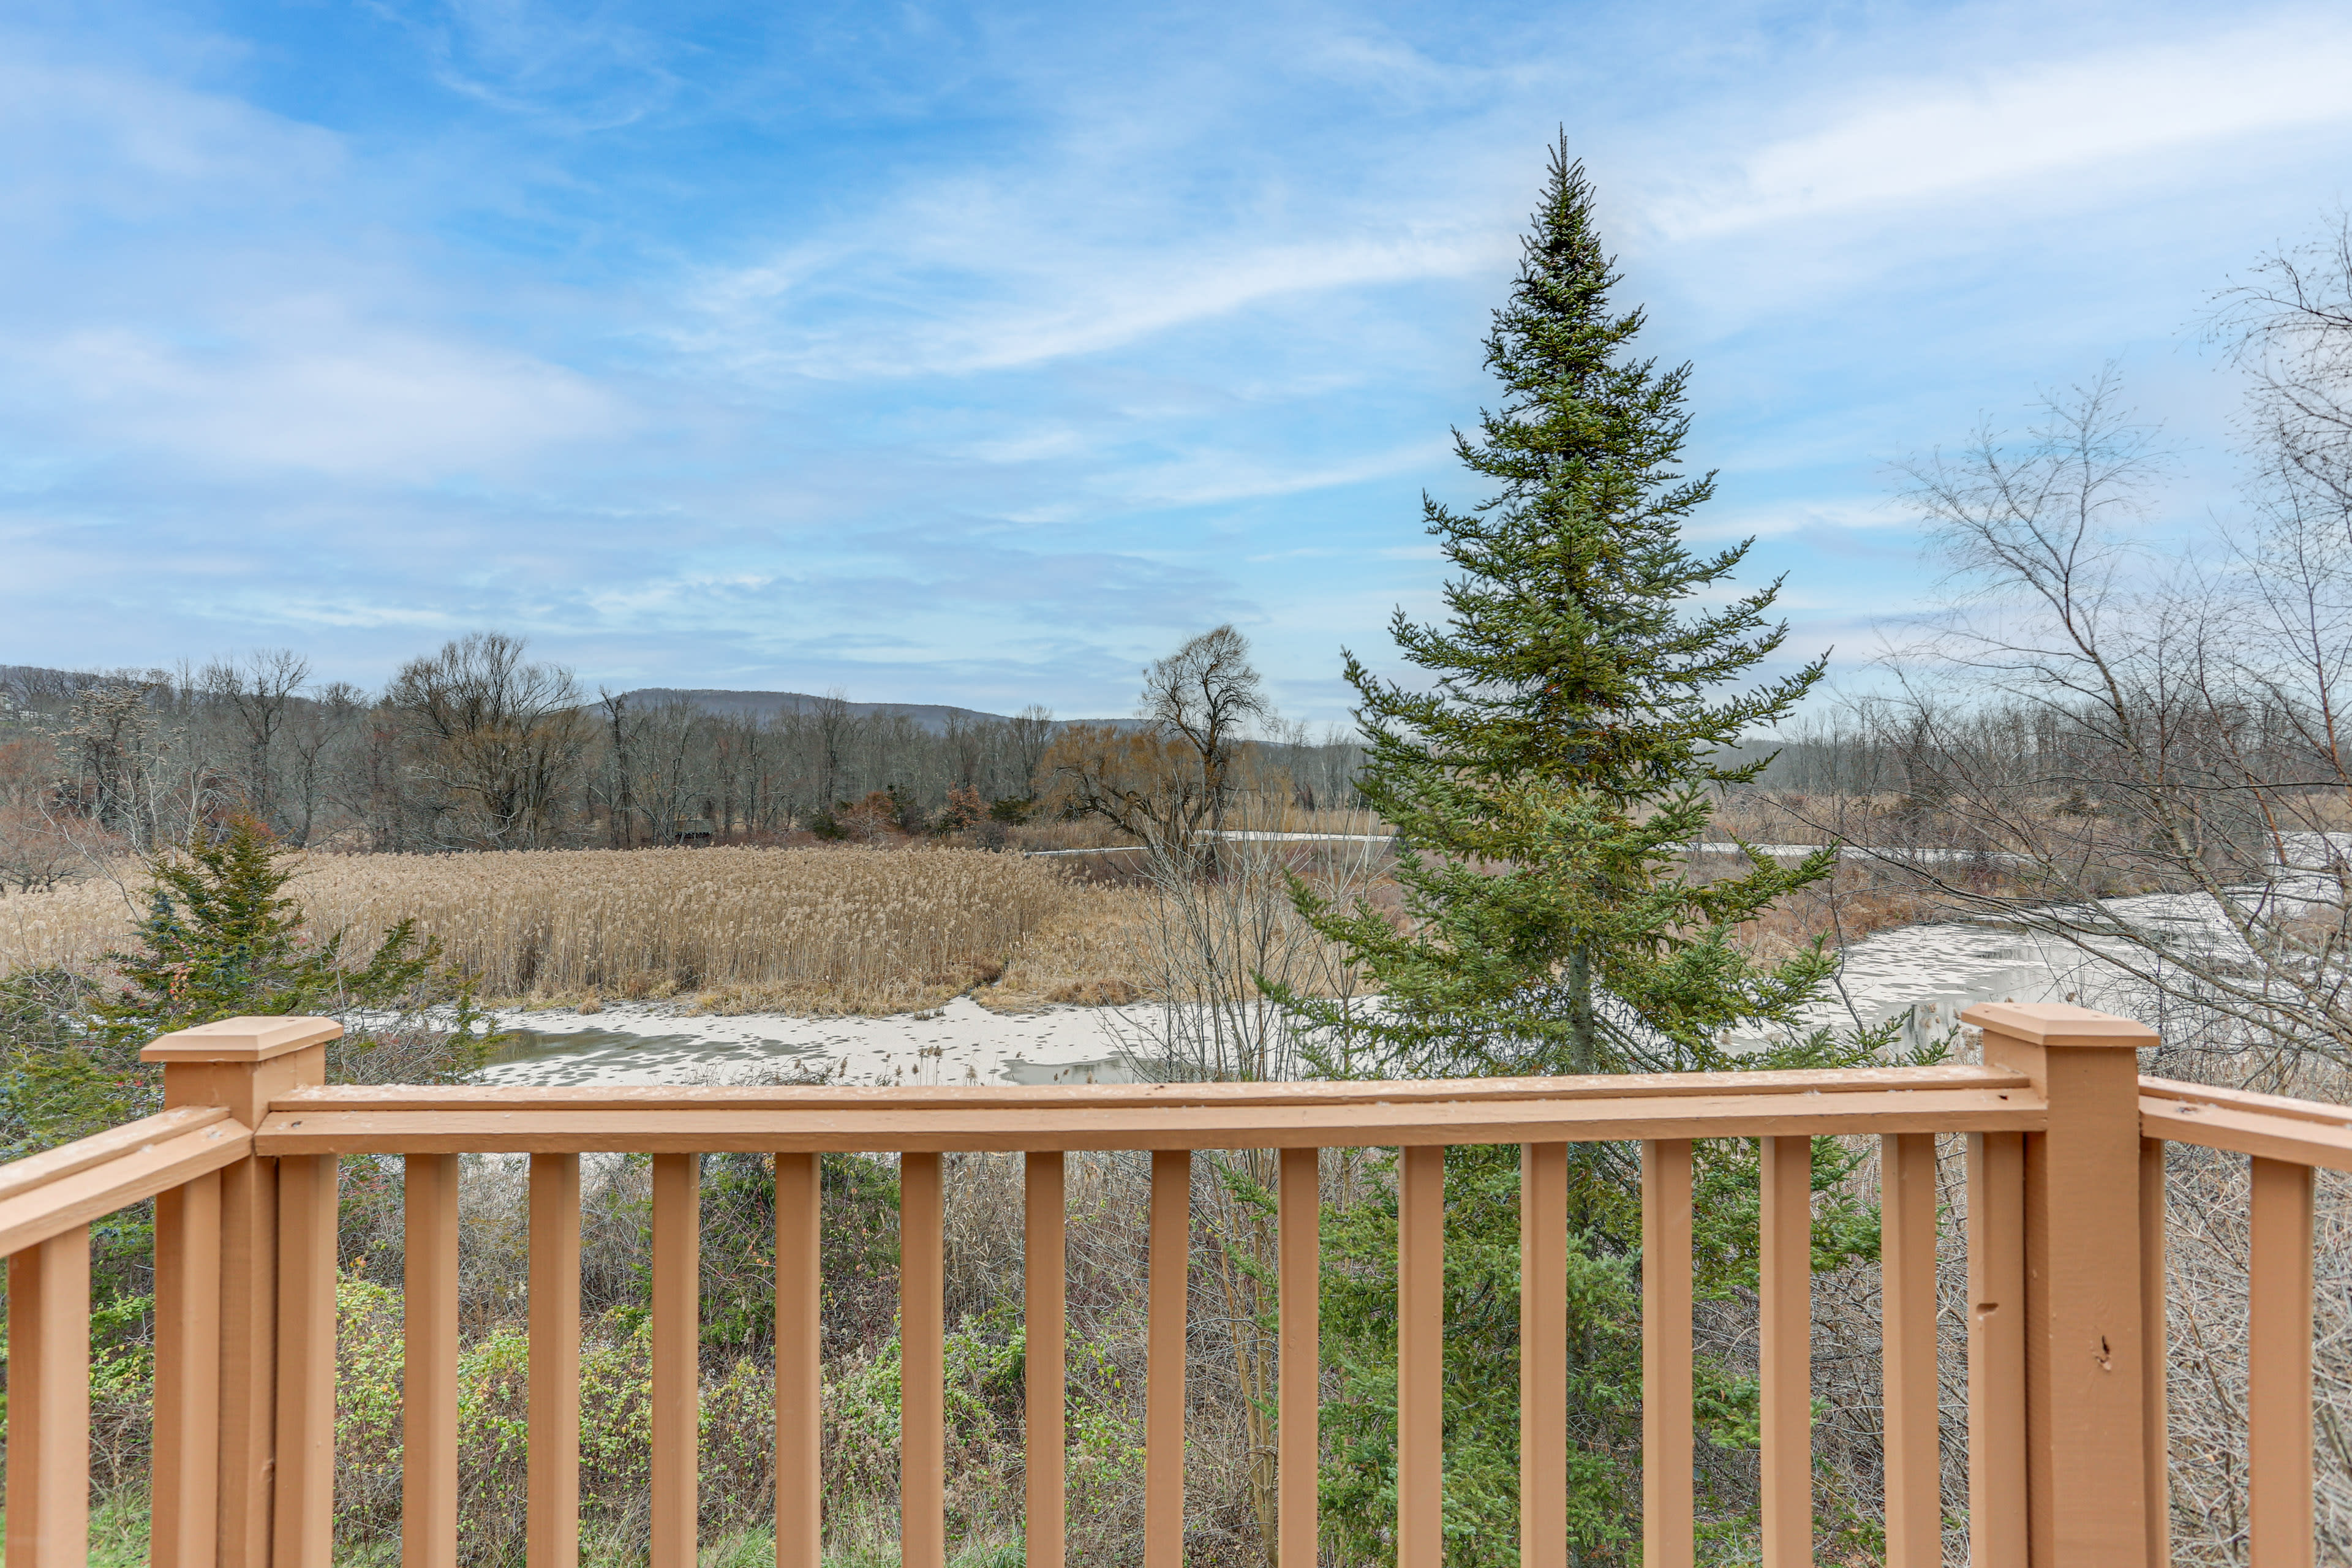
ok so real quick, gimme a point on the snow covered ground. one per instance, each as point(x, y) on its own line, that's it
point(1934, 972)
point(959, 1043)
point(1925, 974)
point(1931, 972)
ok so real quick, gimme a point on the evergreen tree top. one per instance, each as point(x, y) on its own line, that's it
point(1545, 782)
point(1573, 651)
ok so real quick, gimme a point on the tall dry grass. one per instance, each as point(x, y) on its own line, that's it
point(71, 925)
point(838, 929)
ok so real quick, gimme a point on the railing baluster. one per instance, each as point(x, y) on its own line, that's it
point(1543, 1355)
point(429, 1405)
point(1298, 1370)
point(48, 1402)
point(1421, 1358)
point(1668, 1539)
point(304, 1504)
point(922, 1413)
point(2156, 1338)
point(184, 1492)
point(1043, 1265)
point(1914, 1514)
point(552, 1531)
point(678, 1359)
point(800, 1482)
point(1785, 1334)
point(2278, 1368)
point(1163, 1401)
point(1997, 1523)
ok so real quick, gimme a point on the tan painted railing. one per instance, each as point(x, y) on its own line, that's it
point(2064, 1243)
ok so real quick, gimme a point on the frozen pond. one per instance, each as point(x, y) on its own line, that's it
point(1926, 975)
point(960, 1042)
point(1934, 972)
point(1930, 972)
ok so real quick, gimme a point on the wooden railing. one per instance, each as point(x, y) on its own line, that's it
point(2064, 1239)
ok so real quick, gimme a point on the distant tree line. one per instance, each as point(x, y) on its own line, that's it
point(480, 746)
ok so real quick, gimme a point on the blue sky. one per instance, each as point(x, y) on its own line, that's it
point(979, 354)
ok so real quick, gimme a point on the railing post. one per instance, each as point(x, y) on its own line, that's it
point(240, 1064)
point(2085, 1418)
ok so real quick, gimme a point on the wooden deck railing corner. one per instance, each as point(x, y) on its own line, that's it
point(2065, 1307)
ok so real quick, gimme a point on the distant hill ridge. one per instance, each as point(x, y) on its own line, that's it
point(930, 717)
point(933, 717)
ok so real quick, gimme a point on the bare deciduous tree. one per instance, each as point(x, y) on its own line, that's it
point(2290, 325)
point(1031, 731)
point(2147, 743)
point(1171, 784)
point(496, 735)
point(260, 690)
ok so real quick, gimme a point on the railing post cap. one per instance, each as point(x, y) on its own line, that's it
point(2059, 1023)
point(241, 1040)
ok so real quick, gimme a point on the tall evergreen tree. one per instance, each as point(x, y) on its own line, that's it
point(1544, 779)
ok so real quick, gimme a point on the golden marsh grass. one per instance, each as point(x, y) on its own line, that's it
point(821, 930)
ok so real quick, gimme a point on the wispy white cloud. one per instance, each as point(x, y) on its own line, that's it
point(1207, 478)
point(955, 351)
point(79, 140)
point(586, 70)
point(1003, 299)
point(1909, 141)
point(307, 388)
point(1795, 516)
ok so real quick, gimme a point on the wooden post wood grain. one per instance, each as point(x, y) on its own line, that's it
point(304, 1534)
point(1997, 1461)
point(551, 1528)
point(922, 1413)
point(2085, 1385)
point(183, 1494)
point(2155, 1336)
point(428, 1405)
point(1785, 1332)
point(800, 1325)
point(48, 1402)
point(1163, 1401)
point(1914, 1512)
point(2278, 1368)
point(1669, 1538)
point(1298, 1370)
point(678, 1359)
point(1421, 1358)
point(241, 1064)
point(1543, 1355)
point(1044, 1364)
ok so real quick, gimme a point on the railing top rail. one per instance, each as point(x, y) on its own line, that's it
point(2272, 1126)
point(1160, 1096)
point(920, 1123)
point(18, 1177)
point(50, 1193)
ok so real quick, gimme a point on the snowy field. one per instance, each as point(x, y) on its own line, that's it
point(962, 1042)
point(1933, 971)
point(1926, 975)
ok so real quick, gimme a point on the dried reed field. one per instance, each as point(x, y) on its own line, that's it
point(838, 929)
point(71, 925)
